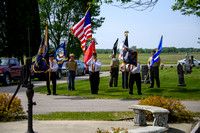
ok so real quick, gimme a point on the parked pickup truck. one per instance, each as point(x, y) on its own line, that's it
point(10, 69)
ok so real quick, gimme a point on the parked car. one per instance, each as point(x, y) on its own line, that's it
point(81, 69)
point(10, 69)
point(183, 61)
point(42, 76)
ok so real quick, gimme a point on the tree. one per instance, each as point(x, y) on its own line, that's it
point(16, 17)
point(61, 15)
point(3, 25)
point(139, 5)
point(187, 7)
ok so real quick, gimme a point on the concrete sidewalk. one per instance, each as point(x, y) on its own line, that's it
point(78, 126)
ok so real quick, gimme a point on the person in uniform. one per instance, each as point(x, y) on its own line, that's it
point(114, 70)
point(125, 73)
point(94, 68)
point(154, 71)
point(134, 76)
point(162, 65)
point(71, 65)
point(52, 73)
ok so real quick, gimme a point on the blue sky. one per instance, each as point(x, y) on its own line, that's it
point(145, 27)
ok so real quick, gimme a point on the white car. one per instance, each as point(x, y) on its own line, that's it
point(183, 61)
point(81, 69)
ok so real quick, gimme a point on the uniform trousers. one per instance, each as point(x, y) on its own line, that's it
point(53, 79)
point(135, 77)
point(114, 75)
point(94, 82)
point(125, 80)
point(154, 74)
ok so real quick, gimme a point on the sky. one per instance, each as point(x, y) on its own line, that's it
point(146, 27)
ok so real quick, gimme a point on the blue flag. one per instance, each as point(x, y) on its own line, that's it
point(60, 55)
point(156, 55)
point(41, 64)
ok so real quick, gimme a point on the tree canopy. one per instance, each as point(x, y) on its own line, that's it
point(187, 7)
point(16, 17)
point(61, 15)
point(139, 5)
point(147, 50)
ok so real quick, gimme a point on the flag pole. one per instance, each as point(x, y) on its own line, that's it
point(89, 3)
point(48, 73)
point(126, 35)
point(92, 46)
point(67, 54)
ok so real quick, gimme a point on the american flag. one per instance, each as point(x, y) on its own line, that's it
point(83, 29)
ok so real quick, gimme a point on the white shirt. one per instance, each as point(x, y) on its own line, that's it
point(53, 67)
point(97, 64)
point(133, 69)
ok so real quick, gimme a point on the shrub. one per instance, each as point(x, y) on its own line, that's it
point(15, 111)
point(177, 110)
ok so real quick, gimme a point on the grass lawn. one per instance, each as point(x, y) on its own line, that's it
point(169, 88)
point(105, 68)
point(166, 58)
point(108, 116)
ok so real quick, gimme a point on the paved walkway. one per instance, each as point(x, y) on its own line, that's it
point(68, 126)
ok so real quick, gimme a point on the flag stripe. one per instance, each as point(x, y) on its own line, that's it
point(83, 29)
point(79, 30)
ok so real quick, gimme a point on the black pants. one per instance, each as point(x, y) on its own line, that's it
point(135, 77)
point(94, 82)
point(114, 75)
point(53, 78)
point(154, 74)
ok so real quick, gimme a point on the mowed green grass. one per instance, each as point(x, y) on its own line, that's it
point(170, 58)
point(108, 116)
point(169, 87)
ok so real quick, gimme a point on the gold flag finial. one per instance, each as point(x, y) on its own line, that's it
point(89, 3)
point(126, 33)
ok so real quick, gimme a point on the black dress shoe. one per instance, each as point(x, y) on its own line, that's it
point(55, 94)
point(150, 87)
point(48, 93)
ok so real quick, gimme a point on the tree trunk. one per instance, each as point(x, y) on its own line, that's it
point(22, 59)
